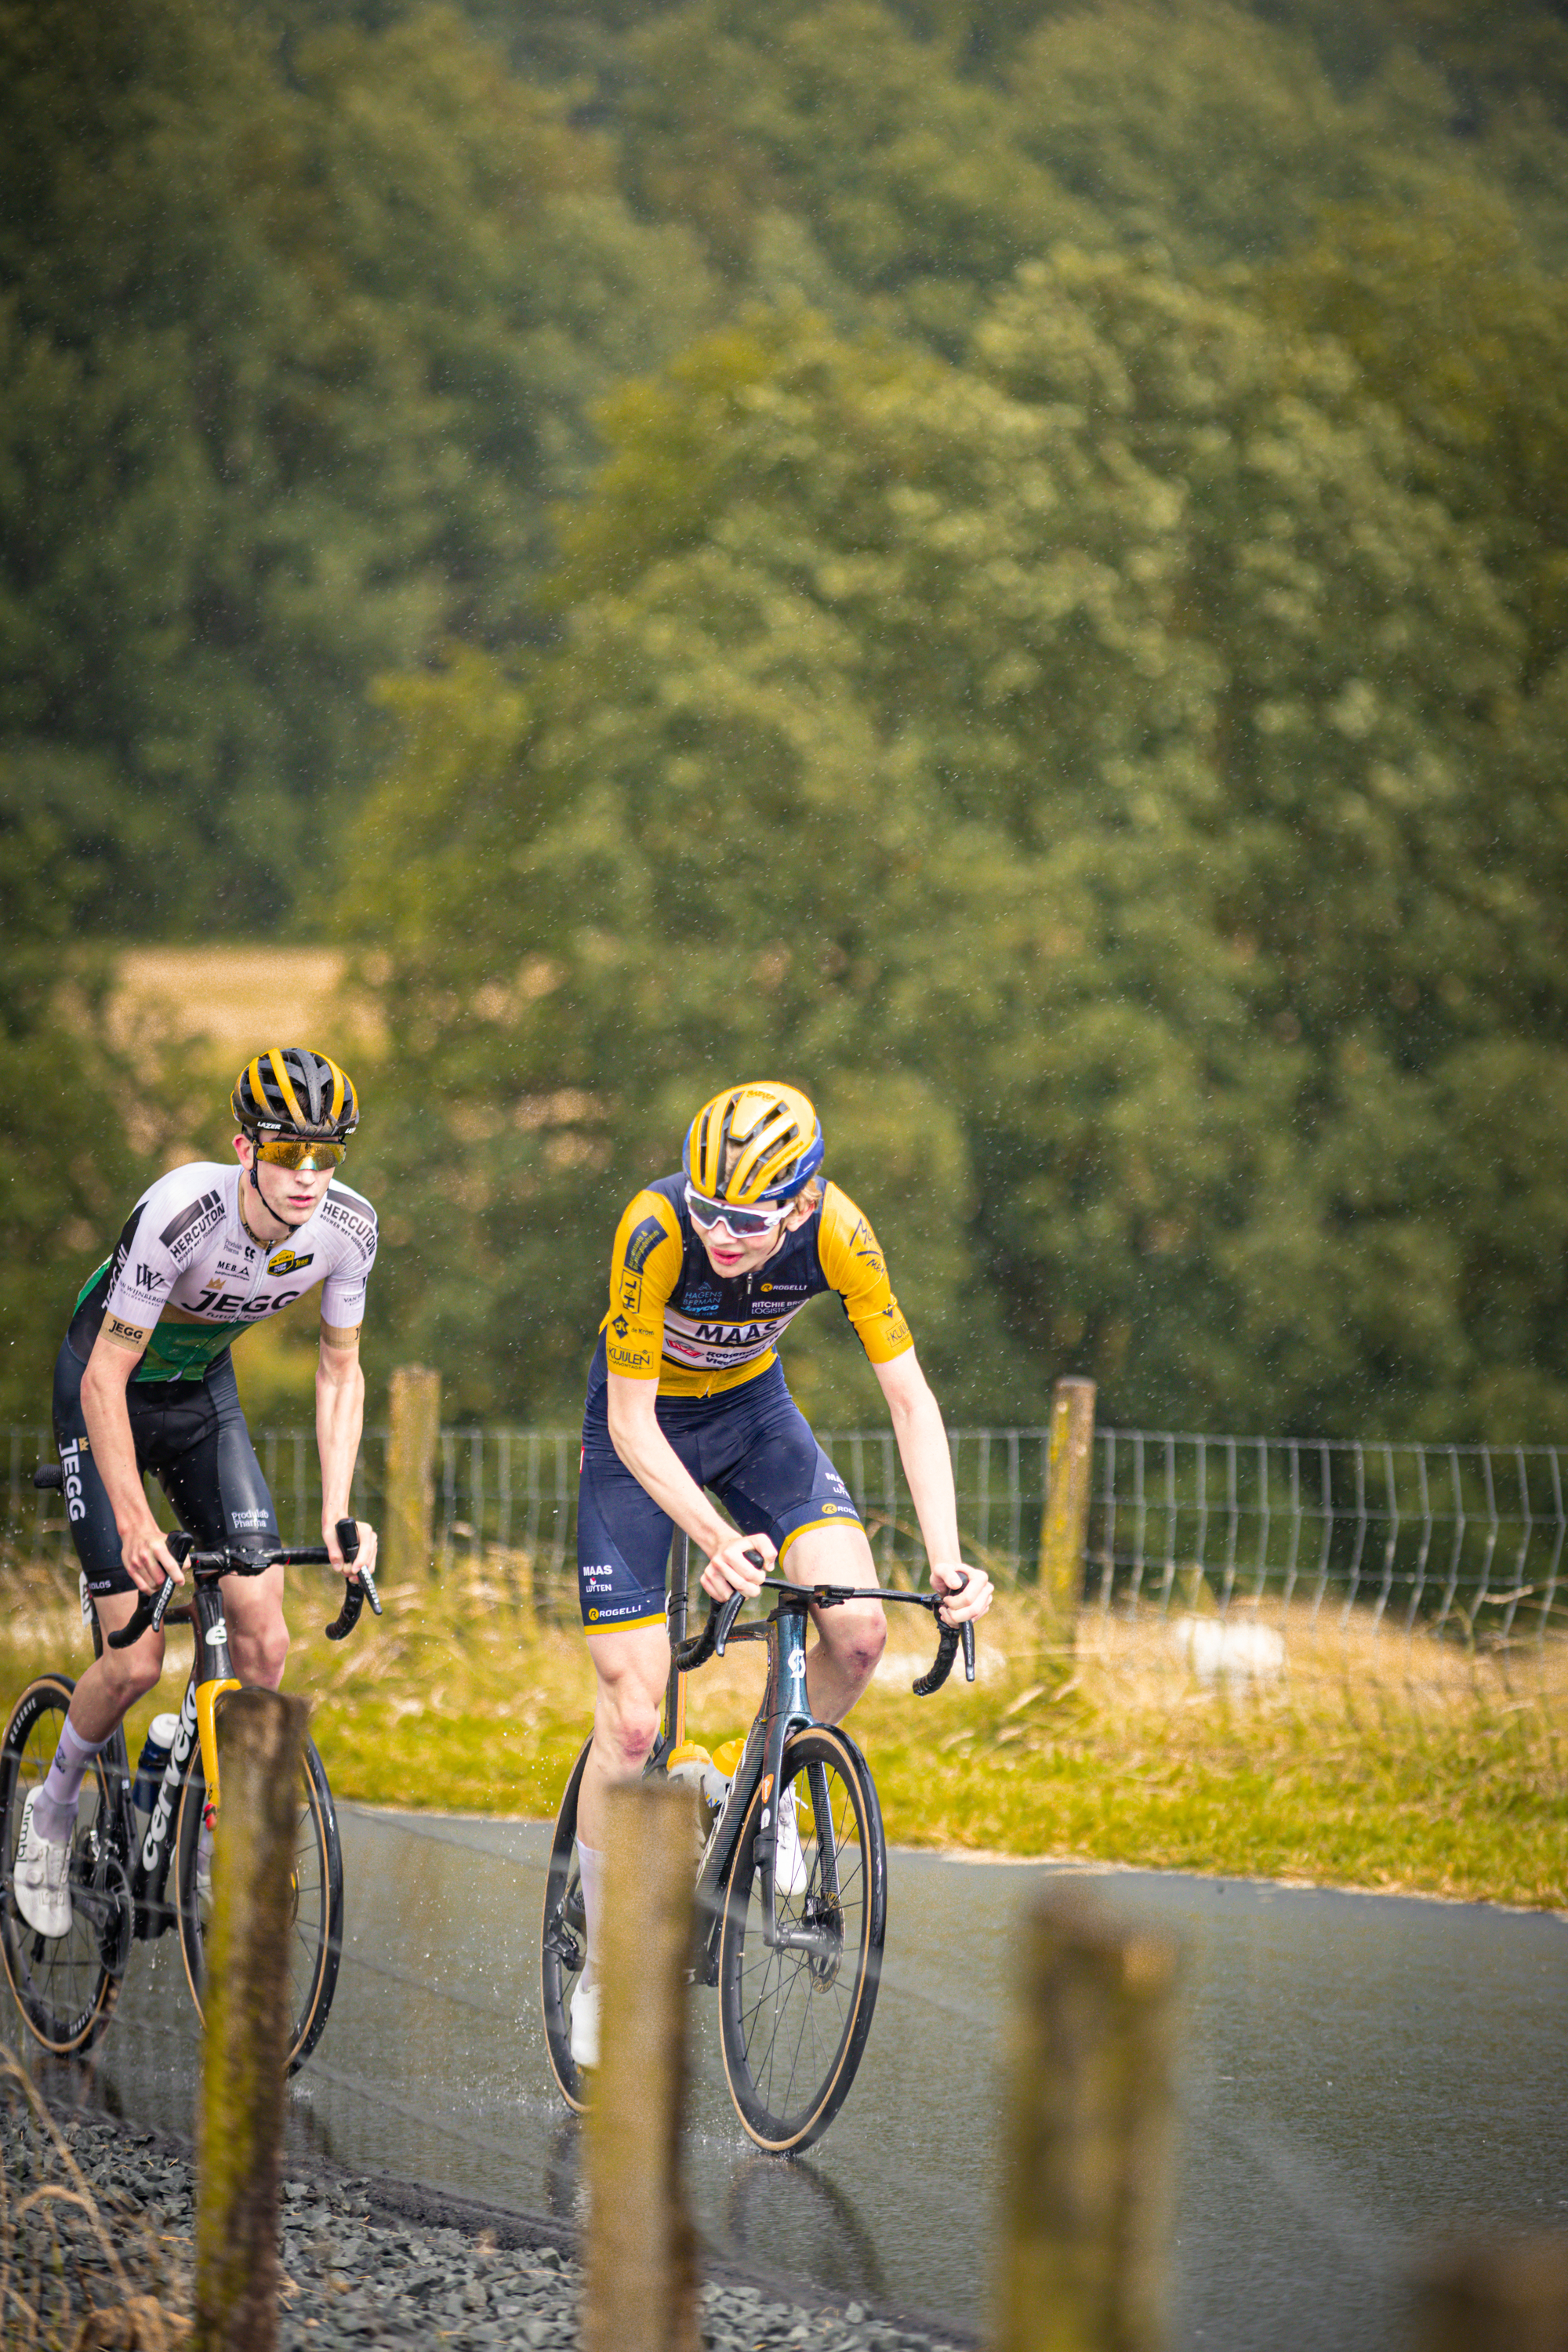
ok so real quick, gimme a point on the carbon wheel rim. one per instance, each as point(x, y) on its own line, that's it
point(64, 1990)
point(315, 1926)
point(794, 2024)
point(564, 1944)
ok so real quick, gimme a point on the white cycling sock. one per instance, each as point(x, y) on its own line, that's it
point(54, 1808)
point(590, 1868)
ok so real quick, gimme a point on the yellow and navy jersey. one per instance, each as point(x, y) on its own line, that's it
point(672, 1319)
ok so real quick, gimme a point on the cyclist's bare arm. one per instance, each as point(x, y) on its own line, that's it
point(657, 1468)
point(928, 1465)
point(340, 1421)
point(116, 1352)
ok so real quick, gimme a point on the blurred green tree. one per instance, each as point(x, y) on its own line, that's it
point(67, 1172)
point(292, 361)
point(1085, 766)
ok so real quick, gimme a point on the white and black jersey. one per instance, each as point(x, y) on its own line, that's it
point(186, 1268)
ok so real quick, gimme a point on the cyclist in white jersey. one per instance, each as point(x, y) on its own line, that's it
point(144, 1381)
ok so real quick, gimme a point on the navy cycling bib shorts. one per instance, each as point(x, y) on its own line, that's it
point(751, 1446)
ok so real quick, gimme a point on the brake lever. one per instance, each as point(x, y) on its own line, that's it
point(355, 1592)
point(727, 1616)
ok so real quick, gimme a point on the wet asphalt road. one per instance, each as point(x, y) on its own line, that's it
point(1358, 2076)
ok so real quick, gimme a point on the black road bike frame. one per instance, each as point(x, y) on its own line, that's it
point(145, 1864)
point(785, 1710)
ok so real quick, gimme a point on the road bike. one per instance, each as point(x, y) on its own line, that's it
point(67, 1986)
point(795, 1953)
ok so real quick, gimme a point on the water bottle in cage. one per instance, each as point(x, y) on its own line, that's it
point(150, 1764)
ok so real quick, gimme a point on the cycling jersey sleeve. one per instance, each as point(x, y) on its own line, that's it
point(853, 1263)
point(352, 1221)
point(146, 1262)
point(644, 1266)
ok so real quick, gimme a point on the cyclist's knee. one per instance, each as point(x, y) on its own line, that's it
point(129, 1675)
point(857, 1635)
point(260, 1655)
point(633, 1728)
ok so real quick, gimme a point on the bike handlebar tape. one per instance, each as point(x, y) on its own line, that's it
point(148, 1614)
point(50, 1477)
point(942, 1665)
point(967, 1629)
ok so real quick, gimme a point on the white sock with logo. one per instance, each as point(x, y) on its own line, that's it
point(55, 1806)
point(591, 1866)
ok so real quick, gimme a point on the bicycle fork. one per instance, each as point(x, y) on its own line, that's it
point(790, 1711)
point(211, 1675)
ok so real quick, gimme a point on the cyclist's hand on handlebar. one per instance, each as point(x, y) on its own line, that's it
point(972, 1590)
point(364, 1558)
point(147, 1559)
point(728, 1570)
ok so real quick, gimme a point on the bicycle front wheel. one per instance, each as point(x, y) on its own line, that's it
point(563, 1943)
point(793, 2023)
point(316, 1922)
point(65, 1988)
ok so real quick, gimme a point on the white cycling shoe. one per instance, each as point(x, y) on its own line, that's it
point(585, 2014)
point(41, 1879)
point(793, 1870)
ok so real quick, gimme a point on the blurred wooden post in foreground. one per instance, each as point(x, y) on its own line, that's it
point(240, 2111)
point(415, 1419)
point(1064, 1524)
point(1505, 2297)
point(640, 2290)
point(1085, 2194)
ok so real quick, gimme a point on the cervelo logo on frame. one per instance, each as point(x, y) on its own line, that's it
point(163, 1811)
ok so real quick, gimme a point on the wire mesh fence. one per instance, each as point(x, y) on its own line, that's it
point(1464, 1541)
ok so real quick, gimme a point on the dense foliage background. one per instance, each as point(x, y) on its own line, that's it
point(1007, 562)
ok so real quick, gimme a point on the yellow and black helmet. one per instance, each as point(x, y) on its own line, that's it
point(754, 1144)
point(292, 1090)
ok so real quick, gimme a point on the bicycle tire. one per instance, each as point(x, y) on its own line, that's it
point(317, 1929)
point(791, 2027)
point(563, 1943)
point(63, 1987)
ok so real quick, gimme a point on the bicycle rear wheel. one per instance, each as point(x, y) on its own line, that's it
point(563, 1943)
point(793, 2024)
point(315, 1945)
point(65, 1987)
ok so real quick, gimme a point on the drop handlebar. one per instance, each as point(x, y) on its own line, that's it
point(721, 1615)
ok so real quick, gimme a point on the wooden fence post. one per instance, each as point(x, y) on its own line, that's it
point(1087, 2189)
point(1505, 2297)
point(415, 1425)
point(640, 2289)
point(239, 2112)
point(1064, 1523)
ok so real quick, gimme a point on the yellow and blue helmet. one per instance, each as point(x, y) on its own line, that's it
point(753, 1145)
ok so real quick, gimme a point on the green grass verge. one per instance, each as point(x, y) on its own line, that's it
point(1357, 1772)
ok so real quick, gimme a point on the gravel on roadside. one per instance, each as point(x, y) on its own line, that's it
point(358, 2274)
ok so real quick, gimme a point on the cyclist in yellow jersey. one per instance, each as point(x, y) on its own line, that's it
point(686, 1393)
